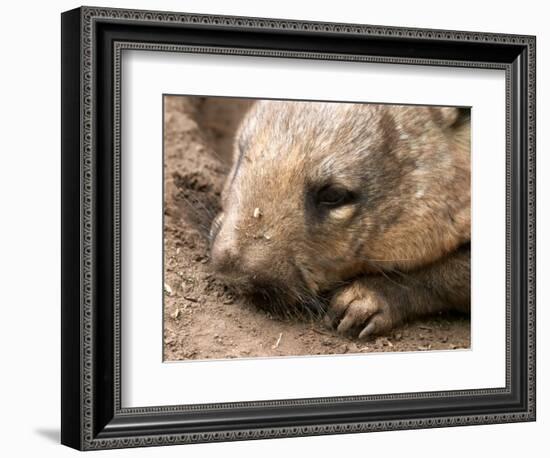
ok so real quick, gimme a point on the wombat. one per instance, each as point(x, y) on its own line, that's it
point(359, 211)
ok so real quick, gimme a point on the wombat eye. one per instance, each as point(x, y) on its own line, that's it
point(333, 196)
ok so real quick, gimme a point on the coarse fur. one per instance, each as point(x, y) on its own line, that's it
point(360, 212)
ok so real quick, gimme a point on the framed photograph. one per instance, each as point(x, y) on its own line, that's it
point(276, 228)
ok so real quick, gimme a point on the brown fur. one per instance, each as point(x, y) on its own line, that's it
point(398, 249)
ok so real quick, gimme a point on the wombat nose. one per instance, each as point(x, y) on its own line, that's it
point(224, 256)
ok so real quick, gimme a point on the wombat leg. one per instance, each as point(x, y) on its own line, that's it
point(374, 304)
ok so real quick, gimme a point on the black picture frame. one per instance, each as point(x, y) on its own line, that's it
point(92, 416)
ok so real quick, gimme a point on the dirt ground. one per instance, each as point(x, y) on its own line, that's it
point(202, 319)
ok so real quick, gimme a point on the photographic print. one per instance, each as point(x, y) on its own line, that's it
point(287, 206)
point(314, 228)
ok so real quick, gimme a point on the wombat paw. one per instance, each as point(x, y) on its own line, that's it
point(357, 311)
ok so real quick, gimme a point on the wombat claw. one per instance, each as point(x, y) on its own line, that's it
point(357, 311)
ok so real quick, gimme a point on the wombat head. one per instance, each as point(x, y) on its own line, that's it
point(321, 192)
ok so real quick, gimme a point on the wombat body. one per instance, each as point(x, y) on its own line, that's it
point(366, 205)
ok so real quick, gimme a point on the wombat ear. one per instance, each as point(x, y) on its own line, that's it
point(445, 116)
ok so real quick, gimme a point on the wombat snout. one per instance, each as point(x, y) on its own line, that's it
point(235, 260)
point(224, 255)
